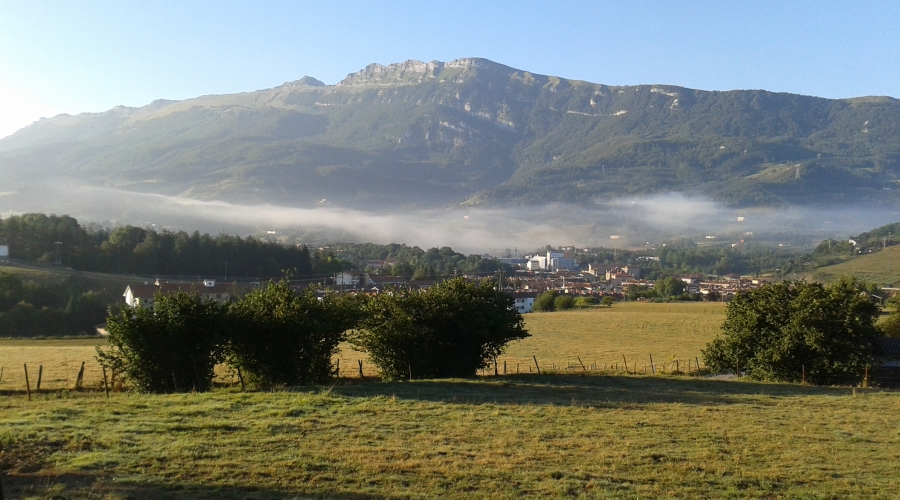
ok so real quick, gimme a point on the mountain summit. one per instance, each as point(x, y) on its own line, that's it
point(475, 132)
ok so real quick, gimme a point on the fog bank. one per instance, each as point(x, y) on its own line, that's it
point(636, 221)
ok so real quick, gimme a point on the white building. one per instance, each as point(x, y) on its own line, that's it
point(536, 263)
point(557, 261)
point(524, 301)
point(143, 295)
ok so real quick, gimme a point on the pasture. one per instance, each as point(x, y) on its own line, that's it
point(549, 436)
point(600, 336)
point(882, 267)
point(557, 435)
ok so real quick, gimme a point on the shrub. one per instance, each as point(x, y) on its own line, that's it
point(545, 302)
point(563, 303)
point(585, 301)
point(450, 330)
point(608, 301)
point(781, 330)
point(890, 327)
point(279, 337)
point(170, 348)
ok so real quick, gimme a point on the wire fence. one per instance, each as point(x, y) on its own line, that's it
point(88, 374)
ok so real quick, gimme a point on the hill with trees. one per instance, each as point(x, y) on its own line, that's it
point(474, 132)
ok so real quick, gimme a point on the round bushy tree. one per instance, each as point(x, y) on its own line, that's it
point(172, 347)
point(563, 303)
point(585, 301)
point(279, 337)
point(450, 330)
point(784, 330)
point(545, 302)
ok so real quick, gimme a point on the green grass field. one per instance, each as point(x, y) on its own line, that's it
point(882, 267)
point(558, 435)
point(550, 436)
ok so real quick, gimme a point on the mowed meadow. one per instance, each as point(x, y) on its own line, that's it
point(599, 336)
point(562, 434)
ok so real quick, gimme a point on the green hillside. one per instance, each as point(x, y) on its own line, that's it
point(882, 267)
point(475, 132)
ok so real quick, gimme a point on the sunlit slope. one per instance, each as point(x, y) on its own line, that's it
point(475, 132)
point(882, 267)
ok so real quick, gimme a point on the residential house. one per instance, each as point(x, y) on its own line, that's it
point(524, 301)
point(351, 279)
point(143, 295)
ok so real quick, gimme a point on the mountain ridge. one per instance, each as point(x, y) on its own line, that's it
point(475, 132)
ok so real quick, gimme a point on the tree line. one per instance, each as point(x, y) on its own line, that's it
point(134, 250)
point(31, 310)
point(416, 263)
point(278, 336)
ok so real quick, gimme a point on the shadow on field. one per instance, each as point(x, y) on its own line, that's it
point(580, 390)
point(71, 486)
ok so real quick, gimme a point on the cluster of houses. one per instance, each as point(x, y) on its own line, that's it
point(598, 280)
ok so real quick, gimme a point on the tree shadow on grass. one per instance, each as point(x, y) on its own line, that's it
point(71, 486)
point(581, 390)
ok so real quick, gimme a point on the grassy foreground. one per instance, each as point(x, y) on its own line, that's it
point(549, 436)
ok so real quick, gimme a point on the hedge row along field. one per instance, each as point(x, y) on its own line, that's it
point(598, 335)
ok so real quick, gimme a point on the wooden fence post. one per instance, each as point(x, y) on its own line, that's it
point(582, 364)
point(360, 368)
point(626, 363)
point(536, 364)
point(105, 384)
point(698, 365)
point(504, 367)
point(241, 379)
point(27, 386)
point(1, 380)
point(496, 369)
point(339, 367)
point(652, 368)
point(80, 378)
point(40, 375)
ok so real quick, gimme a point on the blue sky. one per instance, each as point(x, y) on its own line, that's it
point(62, 56)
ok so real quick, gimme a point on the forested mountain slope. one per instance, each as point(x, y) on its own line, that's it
point(475, 132)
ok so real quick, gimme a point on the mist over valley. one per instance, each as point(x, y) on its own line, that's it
point(471, 154)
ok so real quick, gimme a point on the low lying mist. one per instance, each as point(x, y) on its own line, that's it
point(625, 222)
